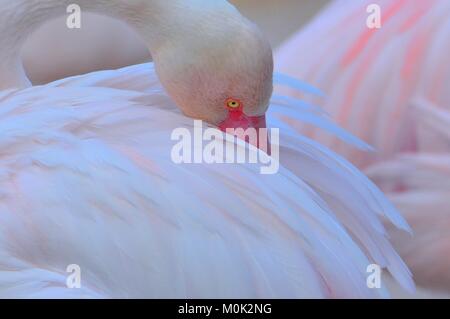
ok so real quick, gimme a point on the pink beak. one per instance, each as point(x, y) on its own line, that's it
point(237, 119)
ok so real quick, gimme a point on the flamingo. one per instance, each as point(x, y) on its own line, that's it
point(87, 177)
point(389, 86)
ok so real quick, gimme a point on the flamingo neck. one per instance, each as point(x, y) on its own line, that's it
point(163, 24)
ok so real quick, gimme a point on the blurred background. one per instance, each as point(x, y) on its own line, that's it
point(55, 52)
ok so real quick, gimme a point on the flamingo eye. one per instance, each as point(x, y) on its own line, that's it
point(233, 103)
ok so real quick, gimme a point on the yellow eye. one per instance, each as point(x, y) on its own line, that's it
point(233, 103)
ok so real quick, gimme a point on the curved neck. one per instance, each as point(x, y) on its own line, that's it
point(159, 23)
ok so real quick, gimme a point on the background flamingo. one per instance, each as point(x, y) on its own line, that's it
point(87, 178)
point(389, 86)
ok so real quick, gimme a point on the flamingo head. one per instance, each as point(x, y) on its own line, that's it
point(223, 74)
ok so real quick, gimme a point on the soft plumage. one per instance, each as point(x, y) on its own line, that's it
point(87, 178)
point(389, 86)
point(419, 184)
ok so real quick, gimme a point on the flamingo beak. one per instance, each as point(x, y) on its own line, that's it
point(251, 129)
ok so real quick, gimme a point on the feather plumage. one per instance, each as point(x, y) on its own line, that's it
point(87, 178)
point(388, 86)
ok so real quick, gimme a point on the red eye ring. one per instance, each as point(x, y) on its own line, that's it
point(233, 104)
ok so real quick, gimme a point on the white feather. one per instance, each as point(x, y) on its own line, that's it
point(86, 178)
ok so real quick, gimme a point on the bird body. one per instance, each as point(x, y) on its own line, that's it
point(87, 182)
point(87, 179)
point(389, 87)
point(373, 76)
